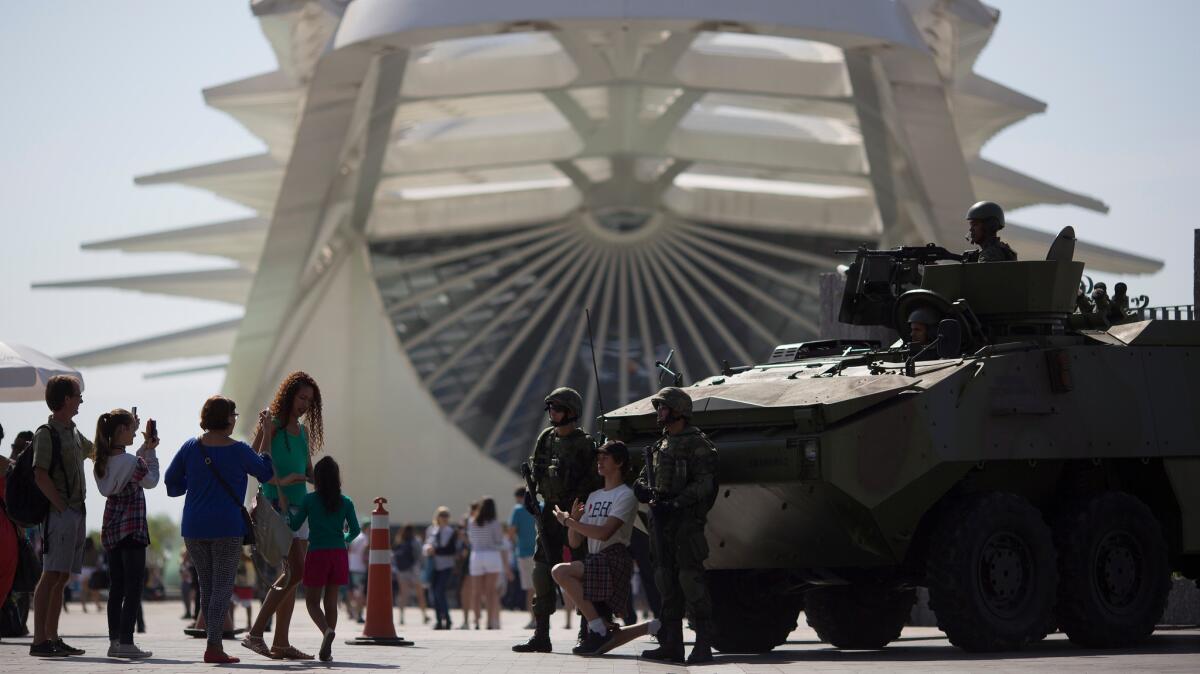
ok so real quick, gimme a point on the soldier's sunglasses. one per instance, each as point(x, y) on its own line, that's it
point(551, 407)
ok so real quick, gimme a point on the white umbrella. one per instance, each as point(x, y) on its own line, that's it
point(25, 371)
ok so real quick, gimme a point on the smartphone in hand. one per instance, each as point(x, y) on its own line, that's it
point(152, 429)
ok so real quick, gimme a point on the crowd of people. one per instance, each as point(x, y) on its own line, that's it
point(482, 561)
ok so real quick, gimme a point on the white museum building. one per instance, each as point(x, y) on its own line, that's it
point(449, 184)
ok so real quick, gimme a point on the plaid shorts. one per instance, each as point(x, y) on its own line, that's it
point(606, 577)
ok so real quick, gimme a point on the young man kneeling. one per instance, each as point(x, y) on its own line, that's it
point(606, 521)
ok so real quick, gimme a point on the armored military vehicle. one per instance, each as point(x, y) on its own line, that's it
point(1032, 474)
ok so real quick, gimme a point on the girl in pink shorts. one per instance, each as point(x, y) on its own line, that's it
point(331, 525)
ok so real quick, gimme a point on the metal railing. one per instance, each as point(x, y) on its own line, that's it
point(1179, 312)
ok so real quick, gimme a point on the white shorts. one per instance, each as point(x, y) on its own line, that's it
point(486, 561)
point(525, 569)
point(302, 533)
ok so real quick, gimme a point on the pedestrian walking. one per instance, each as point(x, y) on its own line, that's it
point(210, 471)
point(466, 582)
point(122, 478)
point(58, 453)
point(332, 525)
point(600, 584)
point(291, 430)
point(441, 546)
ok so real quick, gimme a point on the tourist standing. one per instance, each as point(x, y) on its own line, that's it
point(523, 527)
point(406, 558)
point(122, 477)
point(210, 471)
point(332, 524)
point(488, 560)
point(292, 430)
point(360, 548)
point(58, 453)
point(441, 545)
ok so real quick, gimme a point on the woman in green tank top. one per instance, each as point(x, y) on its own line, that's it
point(292, 445)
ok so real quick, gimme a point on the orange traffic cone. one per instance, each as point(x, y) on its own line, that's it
point(379, 630)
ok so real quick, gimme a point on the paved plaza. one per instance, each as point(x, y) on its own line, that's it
point(919, 649)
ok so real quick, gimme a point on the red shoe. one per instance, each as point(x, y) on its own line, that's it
point(219, 658)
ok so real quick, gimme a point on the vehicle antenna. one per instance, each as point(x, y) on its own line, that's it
point(595, 370)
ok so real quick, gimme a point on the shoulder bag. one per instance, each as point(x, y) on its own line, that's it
point(248, 537)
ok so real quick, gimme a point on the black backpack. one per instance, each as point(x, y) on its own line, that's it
point(403, 557)
point(27, 505)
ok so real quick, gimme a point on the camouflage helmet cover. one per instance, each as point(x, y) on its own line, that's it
point(675, 398)
point(989, 212)
point(568, 398)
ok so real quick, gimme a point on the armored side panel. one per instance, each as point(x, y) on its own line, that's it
point(1007, 288)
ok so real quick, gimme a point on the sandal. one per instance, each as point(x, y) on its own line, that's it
point(257, 645)
point(289, 653)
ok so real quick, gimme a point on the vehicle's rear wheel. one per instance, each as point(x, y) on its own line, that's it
point(858, 616)
point(1113, 570)
point(992, 573)
point(752, 609)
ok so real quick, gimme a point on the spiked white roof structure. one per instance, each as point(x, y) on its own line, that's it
point(448, 183)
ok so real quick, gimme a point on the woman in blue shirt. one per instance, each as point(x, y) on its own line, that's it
point(212, 512)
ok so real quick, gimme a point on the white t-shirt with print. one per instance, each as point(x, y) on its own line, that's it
point(618, 502)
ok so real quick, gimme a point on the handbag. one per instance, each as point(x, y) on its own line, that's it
point(273, 534)
point(248, 537)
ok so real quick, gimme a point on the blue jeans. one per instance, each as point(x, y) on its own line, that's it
point(441, 578)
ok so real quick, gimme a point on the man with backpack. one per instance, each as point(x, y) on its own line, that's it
point(58, 453)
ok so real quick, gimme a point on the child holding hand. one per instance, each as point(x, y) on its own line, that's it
point(331, 524)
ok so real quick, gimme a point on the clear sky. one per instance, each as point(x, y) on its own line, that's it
point(96, 93)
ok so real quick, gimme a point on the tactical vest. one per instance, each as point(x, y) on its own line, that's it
point(672, 461)
point(558, 466)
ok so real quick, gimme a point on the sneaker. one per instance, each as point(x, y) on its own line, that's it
point(326, 652)
point(69, 650)
point(112, 648)
point(130, 652)
point(46, 649)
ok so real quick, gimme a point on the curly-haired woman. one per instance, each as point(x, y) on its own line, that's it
point(291, 444)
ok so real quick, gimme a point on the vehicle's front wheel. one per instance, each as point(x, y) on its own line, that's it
point(1114, 573)
point(992, 573)
point(753, 610)
point(858, 616)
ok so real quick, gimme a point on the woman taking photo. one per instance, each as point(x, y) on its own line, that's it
point(291, 445)
point(441, 544)
point(211, 472)
point(121, 477)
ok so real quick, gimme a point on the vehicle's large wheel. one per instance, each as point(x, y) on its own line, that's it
point(752, 609)
point(992, 573)
point(858, 616)
point(1114, 576)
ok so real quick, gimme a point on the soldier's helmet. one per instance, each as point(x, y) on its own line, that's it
point(1100, 285)
point(926, 315)
point(675, 398)
point(989, 212)
point(568, 398)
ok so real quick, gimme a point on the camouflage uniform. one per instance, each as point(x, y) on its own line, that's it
point(685, 479)
point(565, 469)
point(992, 250)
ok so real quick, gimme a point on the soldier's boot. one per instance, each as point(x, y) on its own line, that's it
point(701, 652)
point(540, 641)
point(670, 643)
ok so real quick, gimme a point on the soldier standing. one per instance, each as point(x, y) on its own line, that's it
point(683, 466)
point(985, 220)
point(562, 468)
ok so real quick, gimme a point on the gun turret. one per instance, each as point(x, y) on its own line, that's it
point(877, 278)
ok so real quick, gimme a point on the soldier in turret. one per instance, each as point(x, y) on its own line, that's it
point(1118, 309)
point(562, 468)
point(683, 489)
point(985, 220)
